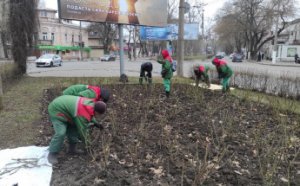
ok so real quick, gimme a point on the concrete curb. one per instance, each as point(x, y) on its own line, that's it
point(278, 64)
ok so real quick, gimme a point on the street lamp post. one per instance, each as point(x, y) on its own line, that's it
point(80, 42)
point(180, 41)
point(274, 53)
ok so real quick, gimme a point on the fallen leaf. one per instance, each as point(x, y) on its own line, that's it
point(245, 171)
point(255, 152)
point(130, 165)
point(284, 179)
point(98, 181)
point(122, 162)
point(236, 163)
point(238, 172)
point(158, 172)
point(148, 157)
point(294, 139)
point(114, 156)
point(168, 128)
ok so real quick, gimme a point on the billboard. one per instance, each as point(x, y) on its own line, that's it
point(170, 32)
point(134, 12)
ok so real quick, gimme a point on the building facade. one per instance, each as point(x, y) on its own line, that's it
point(62, 37)
point(288, 43)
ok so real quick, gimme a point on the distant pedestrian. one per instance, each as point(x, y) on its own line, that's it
point(262, 56)
point(146, 67)
point(296, 58)
point(259, 57)
point(201, 73)
point(167, 72)
point(93, 92)
point(224, 73)
point(72, 116)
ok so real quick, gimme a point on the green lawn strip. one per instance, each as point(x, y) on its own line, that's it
point(279, 103)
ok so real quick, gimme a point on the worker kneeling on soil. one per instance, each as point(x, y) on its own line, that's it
point(72, 116)
point(167, 72)
point(146, 67)
point(224, 73)
point(93, 92)
point(201, 73)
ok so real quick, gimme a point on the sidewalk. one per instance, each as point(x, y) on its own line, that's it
point(279, 63)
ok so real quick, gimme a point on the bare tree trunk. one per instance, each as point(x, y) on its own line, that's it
point(1, 93)
point(3, 40)
point(22, 25)
point(134, 43)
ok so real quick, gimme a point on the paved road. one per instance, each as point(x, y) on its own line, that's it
point(112, 69)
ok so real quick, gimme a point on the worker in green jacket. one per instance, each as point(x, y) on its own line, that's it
point(94, 92)
point(224, 73)
point(167, 72)
point(72, 116)
point(201, 73)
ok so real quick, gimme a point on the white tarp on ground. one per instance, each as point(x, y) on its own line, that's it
point(25, 166)
point(212, 86)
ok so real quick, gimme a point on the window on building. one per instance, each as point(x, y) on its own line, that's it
point(45, 36)
point(43, 14)
point(52, 36)
point(66, 37)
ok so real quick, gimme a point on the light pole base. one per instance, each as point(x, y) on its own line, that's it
point(273, 57)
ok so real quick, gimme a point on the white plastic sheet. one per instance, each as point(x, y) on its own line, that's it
point(25, 166)
point(212, 86)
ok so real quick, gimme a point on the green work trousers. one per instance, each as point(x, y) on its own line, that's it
point(62, 130)
point(225, 84)
point(167, 84)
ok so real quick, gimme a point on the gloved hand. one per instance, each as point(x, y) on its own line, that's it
point(99, 126)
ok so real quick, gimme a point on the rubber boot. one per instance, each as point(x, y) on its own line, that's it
point(150, 80)
point(167, 94)
point(52, 158)
point(141, 80)
point(73, 150)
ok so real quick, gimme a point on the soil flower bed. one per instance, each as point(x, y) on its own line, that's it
point(196, 137)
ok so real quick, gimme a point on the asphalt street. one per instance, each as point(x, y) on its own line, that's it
point(132, 68)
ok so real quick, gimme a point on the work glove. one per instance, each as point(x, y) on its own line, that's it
point(97, 125)
point(221, 75)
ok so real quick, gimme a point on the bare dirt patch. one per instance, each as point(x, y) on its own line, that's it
point(197, 137)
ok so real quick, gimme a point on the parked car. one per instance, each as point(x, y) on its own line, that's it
point(220, 55)
point(231, 55)
point(237, 57)
point(108, 57)
point(48, 60)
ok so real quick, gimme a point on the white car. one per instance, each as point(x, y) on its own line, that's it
point(108, 57)
point(48, 60)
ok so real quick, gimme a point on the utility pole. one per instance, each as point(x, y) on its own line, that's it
point(121, 48)
point(274, 53)
point(200, 8)
point(80, 42)
point(180, 52)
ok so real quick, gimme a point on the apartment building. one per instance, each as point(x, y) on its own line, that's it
point(62, 37)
